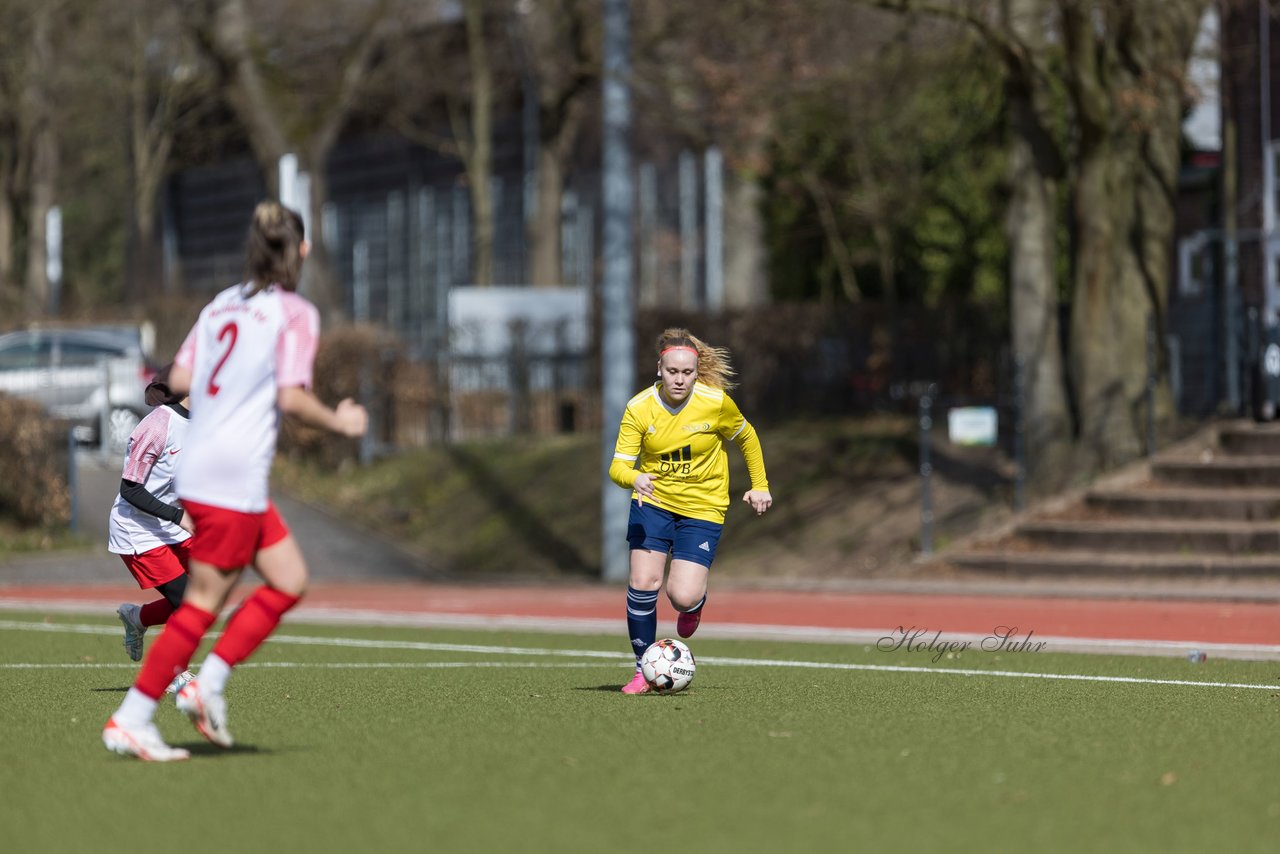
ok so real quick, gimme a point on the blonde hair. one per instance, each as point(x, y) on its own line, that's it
point(274, 254)
point(713, 362)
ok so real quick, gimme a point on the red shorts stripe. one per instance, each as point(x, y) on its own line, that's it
point(229, 539)
point(159, 565)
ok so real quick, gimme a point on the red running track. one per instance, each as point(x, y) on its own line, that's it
point(1124, 619)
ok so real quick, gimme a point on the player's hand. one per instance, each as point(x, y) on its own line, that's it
point(186, 523)
point(353, 420)
point(759, 500)
point(644, 485)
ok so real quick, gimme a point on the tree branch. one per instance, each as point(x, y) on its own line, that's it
point(355, 71)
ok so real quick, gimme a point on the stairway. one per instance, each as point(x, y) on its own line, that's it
point(1208, 508)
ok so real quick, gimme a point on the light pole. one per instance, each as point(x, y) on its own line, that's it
point(617, 335)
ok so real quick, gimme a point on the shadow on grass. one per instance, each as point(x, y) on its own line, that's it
point(617, 689)
point(204, 749)
point(123, 690)
point(520, 515)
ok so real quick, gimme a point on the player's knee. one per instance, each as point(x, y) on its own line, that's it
point(292, 587)
point(683, 600)
point(645, 584)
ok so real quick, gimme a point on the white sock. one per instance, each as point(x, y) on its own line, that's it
point(137, 709)
point(213, 674)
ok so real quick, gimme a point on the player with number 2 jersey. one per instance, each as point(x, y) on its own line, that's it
point(247, 360)
point(233, 387)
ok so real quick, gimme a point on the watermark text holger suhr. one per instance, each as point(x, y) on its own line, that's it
point(1001, 639)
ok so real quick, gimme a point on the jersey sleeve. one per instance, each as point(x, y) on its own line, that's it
point(731, 419)
point(734, 427)
point(146, 445)
point(186, 357)
point(297, 344)
point(622, 470)
point(749, 443)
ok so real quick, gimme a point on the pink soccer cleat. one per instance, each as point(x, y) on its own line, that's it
point(637, 685)
point(687, 624)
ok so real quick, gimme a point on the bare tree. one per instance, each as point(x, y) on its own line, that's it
point(559, 39)
point(164, 95)
point(298, 95)
point(434, 82)
point(722, 73)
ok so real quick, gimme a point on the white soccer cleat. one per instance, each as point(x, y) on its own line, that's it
point(130, 616)
point(143, 742)
point(178, 681)
point(209, 714)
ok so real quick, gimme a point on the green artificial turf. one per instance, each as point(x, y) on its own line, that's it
point(457, 750)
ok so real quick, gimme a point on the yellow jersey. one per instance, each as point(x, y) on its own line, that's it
point(684, 447)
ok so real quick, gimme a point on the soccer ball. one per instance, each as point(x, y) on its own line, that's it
point(668, 666)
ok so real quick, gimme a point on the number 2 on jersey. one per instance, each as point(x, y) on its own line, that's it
point(229, 331)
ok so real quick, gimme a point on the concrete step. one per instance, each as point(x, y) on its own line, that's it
point(1233, 471)
point(1155, 536)
point(1250, 441)
point(1240, 505)
point(1057, 563)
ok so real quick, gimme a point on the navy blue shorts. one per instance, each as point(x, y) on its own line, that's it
point(658, 530)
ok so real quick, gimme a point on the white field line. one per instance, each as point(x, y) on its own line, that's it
point(362, 643)
point(744, 631)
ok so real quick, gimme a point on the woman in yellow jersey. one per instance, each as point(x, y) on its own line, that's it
point(671, 454)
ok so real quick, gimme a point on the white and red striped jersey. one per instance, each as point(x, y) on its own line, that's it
point(149, 459)
point(240, 352)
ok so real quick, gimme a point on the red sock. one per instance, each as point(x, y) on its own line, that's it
point(155, 613)
point(255, 619)
point(172, 651)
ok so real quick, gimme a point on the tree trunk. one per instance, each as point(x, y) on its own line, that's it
point(544, 229)
point(320, 284)
point(557, 134)
point(1130, 113)
point(558, 42)
point(9, 297)
point(1033, 309)
point(44, 161)
point(1110, 309)
point(479, 148)
point(151, 140)
point(44, 180)
point(745, 262)
point(1031, 227)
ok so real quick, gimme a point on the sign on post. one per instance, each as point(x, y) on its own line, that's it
point(972, 425)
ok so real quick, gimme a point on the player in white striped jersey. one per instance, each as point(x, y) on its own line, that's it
point(147, 528)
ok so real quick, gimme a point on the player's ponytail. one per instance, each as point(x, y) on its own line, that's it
point(274, 254)
point(713, 362)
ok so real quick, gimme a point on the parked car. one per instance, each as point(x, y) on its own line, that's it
point(89, 376)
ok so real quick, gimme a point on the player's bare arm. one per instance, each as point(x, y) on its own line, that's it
point(179, 380)
point(347, 419)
